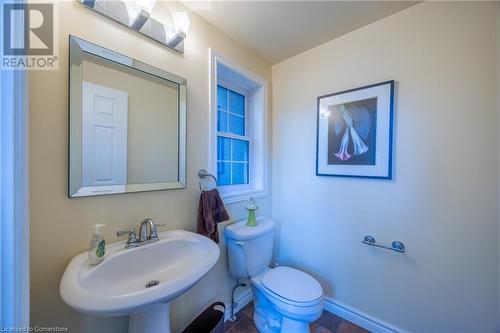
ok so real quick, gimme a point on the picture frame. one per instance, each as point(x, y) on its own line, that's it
point(354, 133)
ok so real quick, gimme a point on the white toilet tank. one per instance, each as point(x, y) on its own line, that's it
point(250, 249)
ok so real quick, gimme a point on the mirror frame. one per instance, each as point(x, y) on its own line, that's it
point(77, 48)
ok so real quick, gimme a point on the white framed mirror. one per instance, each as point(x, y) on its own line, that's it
point(127, 124)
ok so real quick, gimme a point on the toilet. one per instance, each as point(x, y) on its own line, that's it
point(286, 299)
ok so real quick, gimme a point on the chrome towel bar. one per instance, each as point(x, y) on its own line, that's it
point(395, 246)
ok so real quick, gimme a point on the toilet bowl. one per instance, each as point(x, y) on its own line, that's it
point(294, 296)
point(286, 299)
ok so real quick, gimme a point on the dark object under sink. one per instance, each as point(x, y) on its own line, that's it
point(211, 320)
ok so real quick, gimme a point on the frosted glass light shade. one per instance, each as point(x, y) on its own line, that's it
point(181, 21)
point(146, 5)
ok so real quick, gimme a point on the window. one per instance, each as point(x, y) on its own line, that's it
point(233, 141)
point(238, 130)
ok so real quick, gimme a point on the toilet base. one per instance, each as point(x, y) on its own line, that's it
point(289, 325)
point(268, 320)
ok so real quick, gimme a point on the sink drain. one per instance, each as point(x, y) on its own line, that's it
point(152, 283)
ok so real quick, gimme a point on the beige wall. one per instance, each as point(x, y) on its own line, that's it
point(442, 201)
point(152, 134)
point(60, 227)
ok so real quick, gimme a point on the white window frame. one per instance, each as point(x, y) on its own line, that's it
point(254, 88)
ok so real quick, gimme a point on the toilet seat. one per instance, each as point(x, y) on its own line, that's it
point(292, 286)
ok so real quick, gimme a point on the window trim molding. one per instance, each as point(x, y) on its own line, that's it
point(258, 186)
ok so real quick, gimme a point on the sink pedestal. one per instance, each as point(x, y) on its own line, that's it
point(155, 319)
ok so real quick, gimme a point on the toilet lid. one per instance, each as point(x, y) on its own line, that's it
point(292, 284)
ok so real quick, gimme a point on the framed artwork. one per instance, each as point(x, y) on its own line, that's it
point(354, 132)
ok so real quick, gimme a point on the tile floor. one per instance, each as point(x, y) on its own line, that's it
point(327, 323)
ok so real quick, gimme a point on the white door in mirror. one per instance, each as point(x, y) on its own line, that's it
point(104, 136)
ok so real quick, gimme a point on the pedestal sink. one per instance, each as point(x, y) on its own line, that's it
point(140, 282)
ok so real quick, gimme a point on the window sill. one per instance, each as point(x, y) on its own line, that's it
point(230, 196)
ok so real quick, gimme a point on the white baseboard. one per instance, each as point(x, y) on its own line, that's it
point(359, 318)
point(244, 299)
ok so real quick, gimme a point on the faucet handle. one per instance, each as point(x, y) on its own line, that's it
point(120, 233)
point(153, 233)
point(132, 237)
point(130, 231)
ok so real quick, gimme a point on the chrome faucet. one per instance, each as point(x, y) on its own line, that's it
point(145, 236)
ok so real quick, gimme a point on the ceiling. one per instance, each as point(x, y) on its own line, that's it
point(278, 30)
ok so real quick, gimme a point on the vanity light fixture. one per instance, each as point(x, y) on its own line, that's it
point(181, 25)
point(140, 20)
point(144, 9)
point(136, 14)
point(176, 39)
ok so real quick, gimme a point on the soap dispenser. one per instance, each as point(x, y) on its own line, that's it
point(97, 246)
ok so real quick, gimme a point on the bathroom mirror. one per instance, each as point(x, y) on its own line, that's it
point(127, 124)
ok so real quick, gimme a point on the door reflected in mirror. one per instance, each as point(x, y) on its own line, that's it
point(127, 124)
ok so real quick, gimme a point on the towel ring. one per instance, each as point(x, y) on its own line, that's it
point(202, 174)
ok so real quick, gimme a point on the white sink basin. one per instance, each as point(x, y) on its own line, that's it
point(117, 286)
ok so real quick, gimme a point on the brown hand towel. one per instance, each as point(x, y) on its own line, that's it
point(211, 211)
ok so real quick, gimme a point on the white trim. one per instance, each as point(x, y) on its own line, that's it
point(14, 206)
point(256, 96)
point(337, 308)
point(230, 135)
point(86, 191)
point(246, 298)
point(359, 318)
